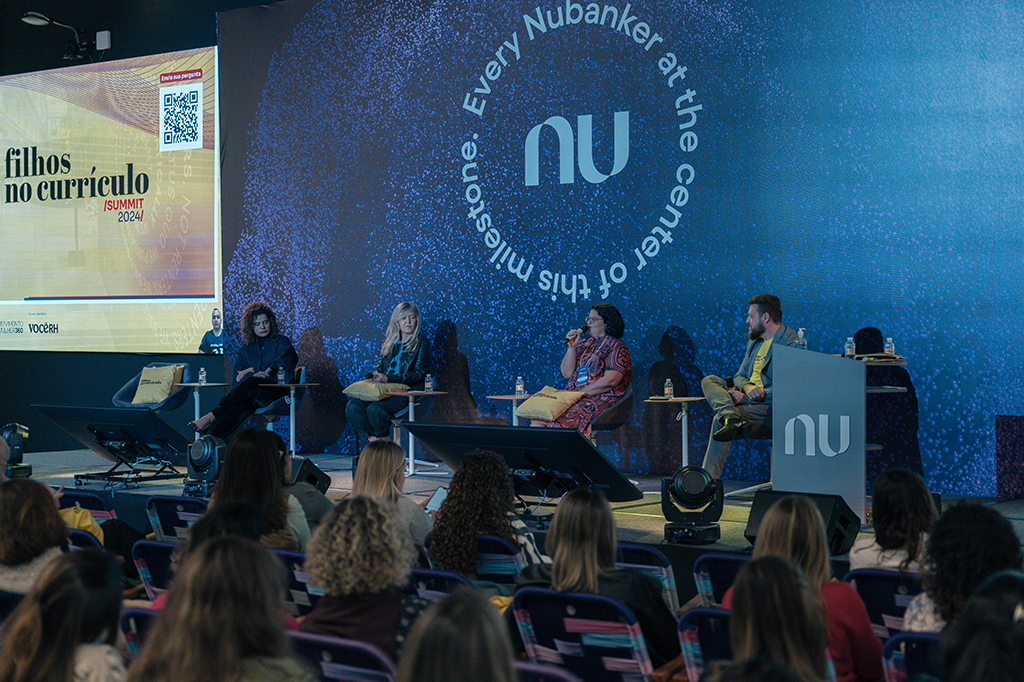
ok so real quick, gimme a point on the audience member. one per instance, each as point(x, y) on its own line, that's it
point(969, 543)
point(754, 670)
point(67, 625)
point(904, 513)
point(256, 467)
point(793, 529)
point(480, 502)
point(32, 536)
point(985, 643)
point(381, 473)
point(221, 621)
point(459, 639)
point(362, 558)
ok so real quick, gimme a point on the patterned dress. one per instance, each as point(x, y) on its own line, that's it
point(599, 356)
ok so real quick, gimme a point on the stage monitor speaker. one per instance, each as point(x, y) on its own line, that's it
point(304, 471)
point(841, 524)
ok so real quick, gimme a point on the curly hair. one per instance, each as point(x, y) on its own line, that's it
point(969, 543)
point(359, 548)
point(480, 497)
point(904, 513)
point(614, 326)
point(30, 522)
point(249, 315)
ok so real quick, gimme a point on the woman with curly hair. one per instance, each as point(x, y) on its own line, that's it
point(969, 543)
point(381, 473)
point(904, 513)
point(986, 641)
point(257, 362)
point(480, 502)
point(362, 559)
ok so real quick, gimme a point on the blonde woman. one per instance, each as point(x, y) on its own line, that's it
point(793, 529)
point(381, 473)
point(361, 558)
point(404, 359)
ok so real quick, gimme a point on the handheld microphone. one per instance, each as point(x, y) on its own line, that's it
point(580, 330)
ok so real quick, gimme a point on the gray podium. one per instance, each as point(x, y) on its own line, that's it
point(818, 439)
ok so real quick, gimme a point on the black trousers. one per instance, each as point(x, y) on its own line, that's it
point(241, 402)
point(374, 419)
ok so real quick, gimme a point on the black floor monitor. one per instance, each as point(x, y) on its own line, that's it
point(543, 461)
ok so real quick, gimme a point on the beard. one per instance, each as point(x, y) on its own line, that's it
point(756, 331)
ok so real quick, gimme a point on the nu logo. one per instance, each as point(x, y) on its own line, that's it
point(823, 435)
point(585, 153)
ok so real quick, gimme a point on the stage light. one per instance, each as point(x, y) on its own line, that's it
point(15, 434)
point(205, 458)
point(692, 489)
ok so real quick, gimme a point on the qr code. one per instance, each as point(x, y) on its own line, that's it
point(181, 117)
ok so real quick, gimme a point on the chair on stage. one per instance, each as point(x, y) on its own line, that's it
point(83, 539)
point(282, 406)
point(335, 658)
point(906, 654)
point(301, 596)
point(527, 671)
point(433, 584)
point(171, 517)
point(649, 560)
point(98, 507)
point(616, 415)
point(715, 573)
point(135, 625)
point(886, 595)
point(704, 638)
point(595, 637)
point(154, 561)
point(175, 398)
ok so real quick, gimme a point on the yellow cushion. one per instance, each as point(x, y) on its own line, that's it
point(548, 404)
point(371, 391)
point(154, 385)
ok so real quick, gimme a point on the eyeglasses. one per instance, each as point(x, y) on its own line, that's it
point(593, 318)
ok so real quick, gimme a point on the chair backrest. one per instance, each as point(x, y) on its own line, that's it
point(8, 602)
point(616, 415)
point(649, 560)
point(171, 517)
point(433, 584)
point(280, 407)
point(302, 596)
point(595, 637)
point(334, 658)
point(135, 624)
point(154, 561)
point(715, 573)
point(98, 507)
point(704, 638)
point(177, 398)
point(83, 539)
point(909, 653)
point(886, 595)
point(498, 560)
point(527, 671)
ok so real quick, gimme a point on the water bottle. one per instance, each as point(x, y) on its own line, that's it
point(428, 384)
point(850, 349)
point(890, 347)
point(202, 376)
point(801, 340)
point(280, 376)
point(668, 388)
point(520, 388)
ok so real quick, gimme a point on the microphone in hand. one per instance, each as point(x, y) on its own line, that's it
point(573, 334)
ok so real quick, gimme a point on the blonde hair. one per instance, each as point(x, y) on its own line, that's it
point(793, 529)
point(392, 335)
point(581, 541)
point(379, 464)
point(359, 549)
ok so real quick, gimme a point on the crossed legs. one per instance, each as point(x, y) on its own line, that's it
point(757, 415)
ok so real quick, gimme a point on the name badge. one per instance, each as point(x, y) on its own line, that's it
point(582, 375)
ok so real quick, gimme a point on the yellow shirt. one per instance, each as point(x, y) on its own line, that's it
point(755, 377)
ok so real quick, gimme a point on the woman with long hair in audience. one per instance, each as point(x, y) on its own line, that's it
point(969, 543)
point(462, 637)
point(481, 501)
point(256, 468)
point(985, 643)
point(31, 533)
point(903, 513)
point(222, 620)
point(361, 557)
point(381, 472)
point(793, 529)
point(66, 627)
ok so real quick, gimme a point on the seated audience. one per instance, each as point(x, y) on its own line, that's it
point(362, 558)
point(986, 641)
point(32, 535)
point(381, 473)
point(904, 513)
point(969, 543)
point(480, 502)
point(459, 639)
point(753, 670)
point(66, 627)
point(221, 621)
point(793, 529)
point(256, 467)
point(582, 545)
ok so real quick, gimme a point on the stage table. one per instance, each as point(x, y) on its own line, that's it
point(290, 399)
point(515, 403)
point(410, 469)
point(195, 386)
point(683, 416)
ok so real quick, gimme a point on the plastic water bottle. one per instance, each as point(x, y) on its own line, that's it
point(520, 388)
point(890, 347)
point(669, 389)
point(280, 376)
point(202, 376)
point(428, 384)
point(801, 340)
point(850, 349)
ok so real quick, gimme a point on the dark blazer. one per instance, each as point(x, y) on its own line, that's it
point(412, 367)
point(277, 350)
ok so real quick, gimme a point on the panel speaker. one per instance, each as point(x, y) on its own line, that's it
point(841, 524)
point(304, 471)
